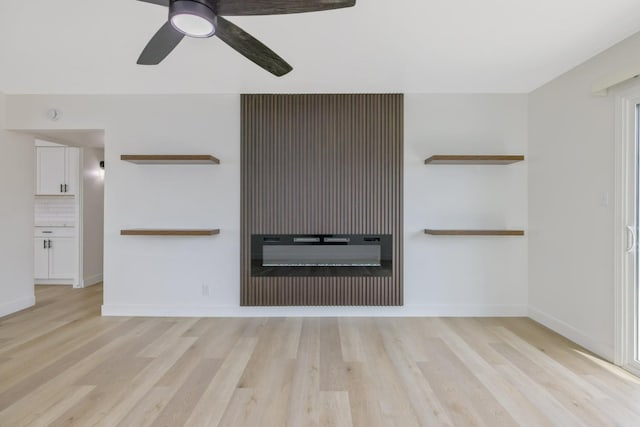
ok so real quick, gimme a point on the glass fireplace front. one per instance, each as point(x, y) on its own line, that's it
point(321, 255)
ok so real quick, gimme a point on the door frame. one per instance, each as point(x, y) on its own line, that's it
point(626, 230)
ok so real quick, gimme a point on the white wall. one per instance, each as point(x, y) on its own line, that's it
point(166, 275)
point(571, 187)
point(16, 220)
point(156, 274)
point(92, 215)
point(465, 275)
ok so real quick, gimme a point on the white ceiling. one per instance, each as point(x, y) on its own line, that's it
point(412, 46)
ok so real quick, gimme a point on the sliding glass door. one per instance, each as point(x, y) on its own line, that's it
point(627, 286)
point(632, 249)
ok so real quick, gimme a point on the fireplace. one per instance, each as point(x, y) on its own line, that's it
point(295, 255)
point(321, 164)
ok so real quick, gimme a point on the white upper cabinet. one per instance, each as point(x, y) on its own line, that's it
point(72, 167)
point(50, 170)
point(56, 171)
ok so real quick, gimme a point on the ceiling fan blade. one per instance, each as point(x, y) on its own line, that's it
point(277, 7)
point(160, 45)
point(251, 48)
point(158, 2)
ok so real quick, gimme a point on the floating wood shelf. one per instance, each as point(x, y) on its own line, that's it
point(472, 160)
point(474, 232)
point(170, 159)
point(169, 232)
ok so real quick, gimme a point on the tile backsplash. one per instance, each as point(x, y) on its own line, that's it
point(54, 210)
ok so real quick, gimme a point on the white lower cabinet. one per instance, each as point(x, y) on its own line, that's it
point(61, 258)
point(41, 259)
point(54, 255)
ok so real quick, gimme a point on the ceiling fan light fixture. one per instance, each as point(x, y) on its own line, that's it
point(193, 19)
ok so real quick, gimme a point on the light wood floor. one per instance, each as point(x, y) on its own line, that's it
point(62, 364)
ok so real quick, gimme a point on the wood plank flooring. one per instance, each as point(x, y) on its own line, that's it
point(62, 364)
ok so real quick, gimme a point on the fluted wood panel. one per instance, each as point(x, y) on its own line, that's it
point(322, 164)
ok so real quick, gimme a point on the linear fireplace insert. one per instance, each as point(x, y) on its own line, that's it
point(321, 255)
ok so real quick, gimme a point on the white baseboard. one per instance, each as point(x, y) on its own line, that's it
point(571, 333)
point(91, 280)
point(237, 311)
point(11, 307)
point(62, 282)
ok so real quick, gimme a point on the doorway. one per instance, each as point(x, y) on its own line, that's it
point(73, 219)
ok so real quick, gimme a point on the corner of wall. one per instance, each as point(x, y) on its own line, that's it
point(92, 216)
point(3, 101)
point(16, 227)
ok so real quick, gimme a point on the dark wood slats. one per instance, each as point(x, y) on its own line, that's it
point(322, 164)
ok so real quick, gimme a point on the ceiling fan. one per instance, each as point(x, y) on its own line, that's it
point(204, 18)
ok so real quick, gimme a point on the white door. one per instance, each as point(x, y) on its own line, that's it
point(50, 170)
point(62, 258)
point(41, 258)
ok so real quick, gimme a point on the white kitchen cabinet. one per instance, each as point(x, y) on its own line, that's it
point(56, 171)
point(55, 254)
point(41, 258)
point(61, 258)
